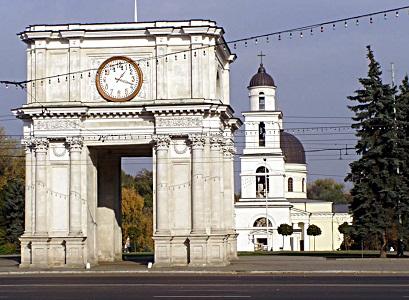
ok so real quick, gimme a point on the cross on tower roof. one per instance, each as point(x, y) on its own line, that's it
point(261, 57)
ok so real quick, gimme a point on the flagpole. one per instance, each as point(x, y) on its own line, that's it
point(136, 11)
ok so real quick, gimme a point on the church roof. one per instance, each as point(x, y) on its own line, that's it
point(262, 78)
point(292, 148)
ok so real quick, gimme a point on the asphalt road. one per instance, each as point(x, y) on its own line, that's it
point(193, 286)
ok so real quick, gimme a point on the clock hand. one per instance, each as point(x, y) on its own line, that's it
point(117, 79)
point(124, 81)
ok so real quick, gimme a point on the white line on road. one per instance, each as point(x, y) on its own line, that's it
point(205, 285)
point(203, 296)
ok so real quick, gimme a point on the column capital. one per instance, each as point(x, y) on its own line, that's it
point(28, 143)
point(75, 143)
point(216, 141)
point(197, 141)
point(162, 142)
point(228, 148)
point(40, 144)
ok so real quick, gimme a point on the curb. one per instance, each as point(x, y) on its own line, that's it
point(327, 272)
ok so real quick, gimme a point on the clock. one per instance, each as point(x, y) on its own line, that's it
point(119, 79)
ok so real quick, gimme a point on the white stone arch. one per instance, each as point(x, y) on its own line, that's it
point(262, 178)
point(73, 207)
point(255, 217)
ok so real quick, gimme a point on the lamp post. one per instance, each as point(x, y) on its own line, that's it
point(266, 197)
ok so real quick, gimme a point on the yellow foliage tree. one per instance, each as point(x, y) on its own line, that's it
point(11, 159)
point(136, 220)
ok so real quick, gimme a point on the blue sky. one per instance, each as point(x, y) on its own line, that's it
point(314, 75)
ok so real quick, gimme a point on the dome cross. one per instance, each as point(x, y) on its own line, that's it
point(261, 55)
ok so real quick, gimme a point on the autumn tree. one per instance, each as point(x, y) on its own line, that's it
point(327, 189)
point(136, 221)
point(137, 209)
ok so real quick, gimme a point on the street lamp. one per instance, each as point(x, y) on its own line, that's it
point(266, 197)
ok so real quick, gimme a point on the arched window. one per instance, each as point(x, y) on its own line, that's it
point(261, 101)
point(261, 134)
point(290, 185)
point(262, 182)
point(261, 222)
point(218, 87)
point(303, 185)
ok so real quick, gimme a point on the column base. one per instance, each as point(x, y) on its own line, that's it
point(162, 251)
point(232, 246)
point(194, 250)
point(217, 251)
point(198, 250)
point(52, 252)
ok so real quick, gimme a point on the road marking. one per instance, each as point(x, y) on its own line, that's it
point(201, 296)
point(205, 285)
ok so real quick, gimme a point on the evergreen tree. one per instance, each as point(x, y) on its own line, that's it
point(377, 184)
point(346, 230)
point(12, 198)
point(402, 116)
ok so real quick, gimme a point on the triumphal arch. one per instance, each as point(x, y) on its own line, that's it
point(97, 92)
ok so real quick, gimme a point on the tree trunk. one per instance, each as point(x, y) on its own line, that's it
point(314, 242)
point(283, 242)
point(382, 253)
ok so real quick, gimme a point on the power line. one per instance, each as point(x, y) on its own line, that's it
point(256, 38)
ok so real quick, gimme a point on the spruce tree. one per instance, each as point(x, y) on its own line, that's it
point(12, 210)
point(377, 184)
point(402, 116)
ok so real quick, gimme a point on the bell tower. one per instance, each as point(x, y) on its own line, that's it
point(262, 166)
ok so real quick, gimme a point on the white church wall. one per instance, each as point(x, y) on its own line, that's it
point(249, 166)
point(314, 206)
point(273, 125)
point(245, 218)
point(297, 172)
point(269, 94)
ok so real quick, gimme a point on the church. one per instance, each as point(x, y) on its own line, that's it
point(274, 183)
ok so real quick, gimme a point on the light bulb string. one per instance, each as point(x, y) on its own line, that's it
point(321, 25)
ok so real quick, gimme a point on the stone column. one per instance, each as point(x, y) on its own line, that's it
point(198, 208)
point(162, 206)
point(29, 207)
point(216, 201)
point(41, 148)
point(75, 146)
point(228, 151)
point(228, 201)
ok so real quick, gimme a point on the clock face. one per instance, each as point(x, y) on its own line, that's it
point(119, 79)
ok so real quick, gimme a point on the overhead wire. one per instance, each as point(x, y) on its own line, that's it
point(224, 44)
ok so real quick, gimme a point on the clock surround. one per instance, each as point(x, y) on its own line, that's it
point(114, 86)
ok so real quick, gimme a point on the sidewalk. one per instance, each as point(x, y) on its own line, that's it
point(245, 264)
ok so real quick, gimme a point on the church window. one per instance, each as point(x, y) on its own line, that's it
point(303, 185)
point(290, 185)
point(261, 134)
point(261, 102)
point(262, 182)
point(261, 222)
